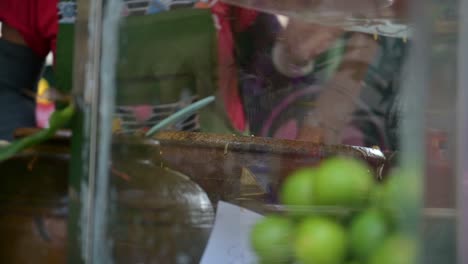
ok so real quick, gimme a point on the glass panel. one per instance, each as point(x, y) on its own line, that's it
point(264, 131)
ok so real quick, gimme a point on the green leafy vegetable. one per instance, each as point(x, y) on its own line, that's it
point(57, 120)
point(181, 114)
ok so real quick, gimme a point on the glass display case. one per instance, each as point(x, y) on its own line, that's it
point(265, 131)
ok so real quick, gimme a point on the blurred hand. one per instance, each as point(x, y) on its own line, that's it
point(316, 131)
point(335, 106)
point(313, 134)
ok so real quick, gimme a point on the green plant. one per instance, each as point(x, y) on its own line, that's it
point(59, 119)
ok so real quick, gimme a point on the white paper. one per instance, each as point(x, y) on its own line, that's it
point(229, 242)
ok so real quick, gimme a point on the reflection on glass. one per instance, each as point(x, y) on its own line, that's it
point(305, 135)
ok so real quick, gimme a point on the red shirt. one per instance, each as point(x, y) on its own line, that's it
point(35, 20)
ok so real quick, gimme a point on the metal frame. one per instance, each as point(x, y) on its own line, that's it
point(87, 61)
point(462, 132)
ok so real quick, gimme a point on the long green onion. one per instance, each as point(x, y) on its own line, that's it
point(182, 113)
point(57, 120)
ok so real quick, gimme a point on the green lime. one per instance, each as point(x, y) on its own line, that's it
point(397, 249)
point(298, 189)
point(377, 195)
point(271, 239)
point(401, 197)
point(320, 240)
point(343, 182)
point(367, 231)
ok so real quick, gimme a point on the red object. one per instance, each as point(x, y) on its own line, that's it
point(231, 19)
point(43, 113)
point(142, 112)
point(35, 20)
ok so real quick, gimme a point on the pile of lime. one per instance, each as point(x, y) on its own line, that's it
point(368, 233)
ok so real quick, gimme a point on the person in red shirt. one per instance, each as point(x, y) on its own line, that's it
point(28, 33)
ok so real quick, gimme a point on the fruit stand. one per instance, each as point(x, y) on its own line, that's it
point(320, 132)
